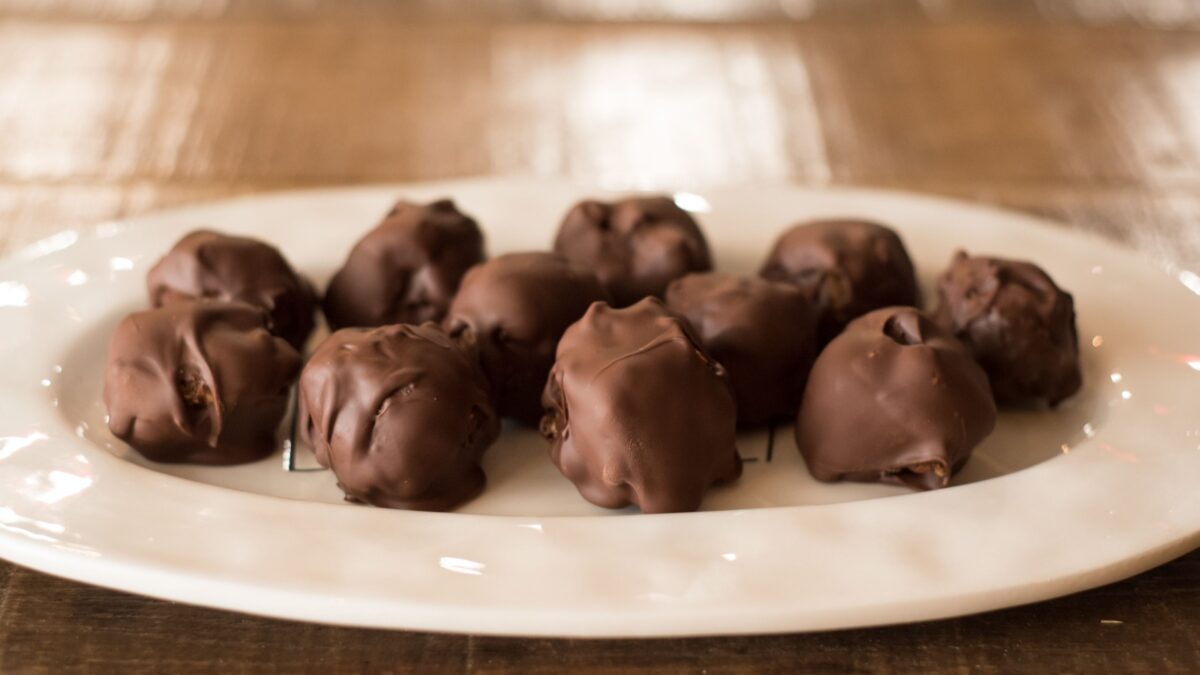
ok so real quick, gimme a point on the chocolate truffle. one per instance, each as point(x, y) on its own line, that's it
point(1017, 323)
point(895, 399)
point(846, 267)
point(514, 309)
point(407, 269)
point(401, 414)
point(201, 382)
point(636, 246)
point(207, 264)
point(763, 332)
point(637, 412)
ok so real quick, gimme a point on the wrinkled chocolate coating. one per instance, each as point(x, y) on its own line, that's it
point(514, 309)
point(895, 399)
point(201, 382)
point(401, 414)
point(846, 267)
point(637, 412)
point(763, 332)
point(207, 264)
point(1017, 323)
point(407, 269)
point(636, 246)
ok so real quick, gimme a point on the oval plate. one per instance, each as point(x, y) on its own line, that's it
point(1094, 492)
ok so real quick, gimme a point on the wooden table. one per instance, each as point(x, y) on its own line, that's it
point(1087, 112)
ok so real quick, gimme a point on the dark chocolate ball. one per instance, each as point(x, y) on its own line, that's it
point(637, 412)
point(895, 399)
point(207, 264)
point(514, 309)
point(401, 414)
point(407, 269)
point(201, 382)
point(846, 267)
point(636, 246)
point(1017, 323)
point(763, 332)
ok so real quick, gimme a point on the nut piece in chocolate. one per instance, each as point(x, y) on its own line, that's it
point(207, 264)
point(401, 414)
point(636, 246)
point(198, 381)
point(407, 269)
point(846, 267)
point(1017, 323)
point(637, 412)
point(514, 309)
point(895, 399)
point(763, 332)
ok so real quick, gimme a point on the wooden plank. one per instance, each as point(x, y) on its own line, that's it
point(1158, 13)
point(631, 105)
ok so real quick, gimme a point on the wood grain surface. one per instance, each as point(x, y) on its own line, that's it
point(1087, 112)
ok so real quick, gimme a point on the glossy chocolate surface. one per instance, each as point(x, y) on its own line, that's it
point(211, 265)
point(201, 382)
point(763, 332)
point(896, 399)
point(845, 267)
point(407, 269)
point(636, 246)
point(401, 414)
point(514, 309)
point(1017, 323)
point(637, 412)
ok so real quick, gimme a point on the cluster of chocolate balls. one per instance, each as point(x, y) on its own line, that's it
point(635, 360)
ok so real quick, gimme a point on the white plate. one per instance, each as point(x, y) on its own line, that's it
point(1097, 491)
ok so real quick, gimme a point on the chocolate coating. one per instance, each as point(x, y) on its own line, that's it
point(846, 267)
point(763, 332)
point(1017, 323)
point(407, 269)
point(895, 399)
point(637, 412)
point(400, 414)
point(207, 264)
point(636, 246)
point(514, 309)
point(201, 382)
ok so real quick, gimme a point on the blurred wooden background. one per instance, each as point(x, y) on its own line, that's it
point(1086, 111)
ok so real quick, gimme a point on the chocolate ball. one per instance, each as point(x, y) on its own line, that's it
point(894, 399)
point(636, 246)
point(763, 332)
point(637, 412)
point(407, 269)
point(401, 414)
point(846, 267)
point(202, 382)
point(514, 309)
point(207, 264)
point(1017, 323)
